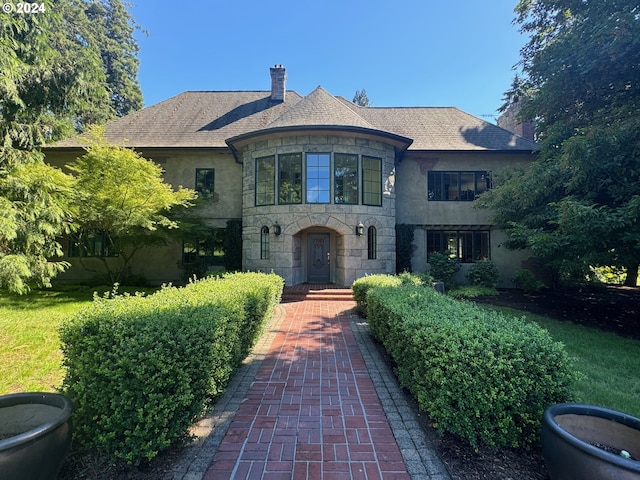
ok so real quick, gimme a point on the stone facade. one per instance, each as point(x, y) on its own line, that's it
point(348, 255)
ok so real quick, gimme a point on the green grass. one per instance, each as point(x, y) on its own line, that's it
point(608, 364)
point(30, 357)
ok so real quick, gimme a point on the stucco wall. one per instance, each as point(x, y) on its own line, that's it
point(414, 208)
point(163, 264)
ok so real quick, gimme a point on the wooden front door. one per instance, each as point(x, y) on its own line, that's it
point(318, 257)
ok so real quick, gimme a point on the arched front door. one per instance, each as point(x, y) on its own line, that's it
point(318, 257)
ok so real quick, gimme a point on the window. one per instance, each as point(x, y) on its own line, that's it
point(205, 250)
point(372, 243)
point(265, 180)
point(264, 243)
point(345, 178)
point(204, 182)
point(290, 178)
point(322, 181)
point(371, 181)
point(467, 245)
point(457, 186)
point(318, 185)
point(91, 243)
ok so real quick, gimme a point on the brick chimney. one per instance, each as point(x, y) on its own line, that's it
point(278, 83)
point(509, 121)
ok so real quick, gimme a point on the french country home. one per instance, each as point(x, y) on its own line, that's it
point(321, 186)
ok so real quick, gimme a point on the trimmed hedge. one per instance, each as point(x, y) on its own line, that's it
point(362, 285)
point(477, 373)
point(140, 370)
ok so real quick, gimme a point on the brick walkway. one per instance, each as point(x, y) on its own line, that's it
point(312, 409)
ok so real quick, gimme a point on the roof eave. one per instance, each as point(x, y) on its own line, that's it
point(399, 142)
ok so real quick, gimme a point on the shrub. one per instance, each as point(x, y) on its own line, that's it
point(472, 291)
point(484, 274)
point(443, 267)
point(363, 284)
point(141, 369)
point(525, 280)
point(476, 373)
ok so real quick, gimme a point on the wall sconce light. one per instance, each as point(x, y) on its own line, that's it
point(277, 229)
point(360, 229)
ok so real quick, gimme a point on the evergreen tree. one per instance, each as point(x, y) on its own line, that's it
point(72, 65)
point(578, 205)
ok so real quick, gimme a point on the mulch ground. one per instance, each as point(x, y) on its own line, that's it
point(615, 309)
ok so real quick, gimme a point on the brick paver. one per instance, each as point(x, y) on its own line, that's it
point(312, 411)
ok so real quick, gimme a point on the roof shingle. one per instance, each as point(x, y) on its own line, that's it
point(208, 119)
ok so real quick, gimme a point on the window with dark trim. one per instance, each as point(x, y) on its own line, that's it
point(467, 245)
point(345, 178)
point(91, 243)
point(290, 178)
point(265, 180)
point(318, 178)
point(264, 243)
point(371, 181)
point(205, 178)
point(372, 243)
point(456, 186)
point(206, 250)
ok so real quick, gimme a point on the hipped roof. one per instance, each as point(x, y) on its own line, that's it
point(213, 119)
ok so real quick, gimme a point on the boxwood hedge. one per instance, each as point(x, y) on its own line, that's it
point(479, 374)
point(140, 370)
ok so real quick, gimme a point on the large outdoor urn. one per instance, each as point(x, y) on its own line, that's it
point(587, 442)
point(35, 435)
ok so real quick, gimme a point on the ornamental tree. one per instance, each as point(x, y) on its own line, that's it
point(123, 197)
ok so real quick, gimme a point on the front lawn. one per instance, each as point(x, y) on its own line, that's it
point(609, 363)
point(30, 357)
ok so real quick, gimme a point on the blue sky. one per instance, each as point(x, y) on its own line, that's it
point(404, 53)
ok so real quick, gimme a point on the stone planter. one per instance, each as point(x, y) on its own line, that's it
point(35, 435)
point(570, 432)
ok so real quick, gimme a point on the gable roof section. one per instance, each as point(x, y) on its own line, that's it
point(211, 119)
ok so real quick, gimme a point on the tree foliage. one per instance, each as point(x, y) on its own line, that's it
point(578, 204)
point(123, 195)
point(63, 69)
point(360, 98)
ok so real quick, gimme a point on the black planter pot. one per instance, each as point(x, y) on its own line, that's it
point(569, 433)
point(35, 435)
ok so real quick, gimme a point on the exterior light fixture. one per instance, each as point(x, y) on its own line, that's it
point(360, 229)
point(277, 229)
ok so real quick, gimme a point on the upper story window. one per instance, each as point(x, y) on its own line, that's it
point(345, 178)
point(467, 245)
point(371, 181)
point(318, 178)
point(265, 180)
point(327, 178)
point(457, 186)
point(204, 182)
point(290, 178)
